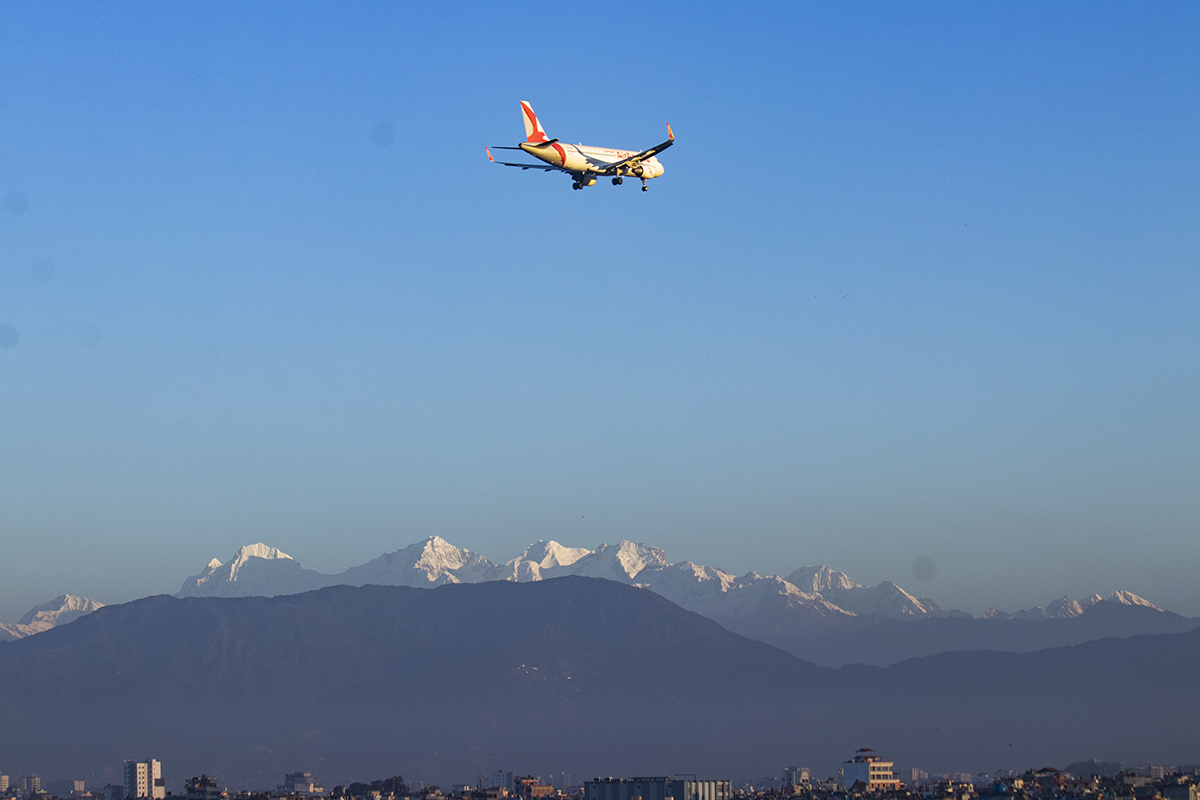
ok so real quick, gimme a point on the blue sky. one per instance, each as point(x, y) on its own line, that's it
point(920, 280)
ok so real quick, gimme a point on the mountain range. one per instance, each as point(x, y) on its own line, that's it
point(814, 612)
point(571, 674)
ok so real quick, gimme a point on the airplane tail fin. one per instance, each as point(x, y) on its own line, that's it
point(533, 129)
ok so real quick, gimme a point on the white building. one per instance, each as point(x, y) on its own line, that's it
point(3, 783)
point(870, 770)
point(499, 780)
point(144, 779)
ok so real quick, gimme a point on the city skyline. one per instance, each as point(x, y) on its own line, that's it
point(516, 783)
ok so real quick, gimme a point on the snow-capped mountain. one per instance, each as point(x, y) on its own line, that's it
point(622, 562)
point(820, 580)
point(539, 560)
point(809, 593)
point(254, 570)
point(424, 564)
point(1066, 608)
point(59, 611)
point(885, 600)
point(759, 605)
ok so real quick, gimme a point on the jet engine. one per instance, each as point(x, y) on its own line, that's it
point(650, 168)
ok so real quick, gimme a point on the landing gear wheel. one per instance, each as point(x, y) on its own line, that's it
point(618, 181)
point(645, 188)
point(576, 185)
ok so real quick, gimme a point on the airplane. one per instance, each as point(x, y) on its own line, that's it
point(583, 163)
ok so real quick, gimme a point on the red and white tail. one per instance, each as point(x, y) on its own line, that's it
point(533, 128)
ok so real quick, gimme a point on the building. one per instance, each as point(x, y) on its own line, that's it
point(656, 789)
point(3, 783)
point(144, 779)
point(301, 783)
point(498, 780)
point(796, 776)
point(872, 772)
point(31, 783)
point(1184, 791)
point(203, 788)
point(532, 788)
point(64, 788)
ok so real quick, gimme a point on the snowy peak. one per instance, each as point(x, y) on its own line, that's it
point(432, 562)
point(1066, 608)
point(620, 562)
point(885, 600)
point(439, 559)
point(59, 611)
point(541, 560)
point(548, 555)
point(248, 552)
point(820, 580)
point(1131, 599)
point(254, 570)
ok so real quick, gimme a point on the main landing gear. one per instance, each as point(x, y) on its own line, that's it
point(618, 181)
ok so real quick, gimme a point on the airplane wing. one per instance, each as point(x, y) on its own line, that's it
point(543, 167)
point(639, 157)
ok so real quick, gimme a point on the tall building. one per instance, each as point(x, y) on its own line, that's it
point(796, 776)
point(144, 779)
point(656, 789)
point(870, 770)
point(31, 783)
point(3, 783)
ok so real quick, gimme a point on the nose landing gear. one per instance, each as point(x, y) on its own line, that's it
point(645, 188)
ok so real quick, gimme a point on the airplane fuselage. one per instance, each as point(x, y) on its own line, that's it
point(585, 159)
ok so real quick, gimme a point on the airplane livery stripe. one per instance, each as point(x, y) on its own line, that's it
point(536, 135)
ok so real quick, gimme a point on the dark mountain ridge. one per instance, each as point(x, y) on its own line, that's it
point(572, 674)
point(880, 641)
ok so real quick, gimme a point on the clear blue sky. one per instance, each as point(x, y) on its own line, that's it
point(921, 280)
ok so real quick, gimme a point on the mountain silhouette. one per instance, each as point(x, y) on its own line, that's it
point(570, 674)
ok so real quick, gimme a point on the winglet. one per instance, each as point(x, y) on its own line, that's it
point(670, 133)
point(489, 152)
